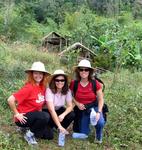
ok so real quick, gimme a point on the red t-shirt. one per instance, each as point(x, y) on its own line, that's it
point(30, 98)
point(85, 95)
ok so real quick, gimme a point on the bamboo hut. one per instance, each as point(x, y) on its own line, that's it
point(54, 42)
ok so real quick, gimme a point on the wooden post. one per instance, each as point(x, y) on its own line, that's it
point(60, 43)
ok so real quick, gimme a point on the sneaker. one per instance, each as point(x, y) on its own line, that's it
point(29, 137)
point(98, 141)
point(76, 135)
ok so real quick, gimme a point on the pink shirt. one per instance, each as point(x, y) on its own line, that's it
point(58, 99)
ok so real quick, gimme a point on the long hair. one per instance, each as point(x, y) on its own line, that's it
point(31, 80)
point(99, 80)
point(53, 87)
point(77, 75)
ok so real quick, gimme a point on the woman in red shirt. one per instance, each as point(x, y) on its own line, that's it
point(84, 97)
point(27, 103)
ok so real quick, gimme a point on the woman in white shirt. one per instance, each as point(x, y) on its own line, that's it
point(59, 101)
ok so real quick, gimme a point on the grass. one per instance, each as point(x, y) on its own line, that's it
point(123, 96)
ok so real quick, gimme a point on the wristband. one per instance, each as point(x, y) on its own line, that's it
point(99, 112)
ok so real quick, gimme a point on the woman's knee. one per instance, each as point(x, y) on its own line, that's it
point(71, 116)
point(46, 115)
point(43, 117)
point(101, 123)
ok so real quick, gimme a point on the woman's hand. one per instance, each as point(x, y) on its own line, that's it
point(18, 116)
point(63, 130)
point(61, 117)
point(21, 118)
point(98, 114)
point(80, 106)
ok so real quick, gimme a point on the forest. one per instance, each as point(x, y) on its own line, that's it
point(112, 29)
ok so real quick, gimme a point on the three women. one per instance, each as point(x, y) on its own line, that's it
point(59, 102)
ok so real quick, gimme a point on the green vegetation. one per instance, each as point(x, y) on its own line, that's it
point(111, 29)
point(103, 26)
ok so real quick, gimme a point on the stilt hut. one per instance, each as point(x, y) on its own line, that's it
point(81, 50)
point(54, 42)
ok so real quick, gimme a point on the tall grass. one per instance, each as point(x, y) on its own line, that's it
point(124, 98)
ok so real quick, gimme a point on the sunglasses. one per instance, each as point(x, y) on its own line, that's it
point(86, 70)
point(58, 80)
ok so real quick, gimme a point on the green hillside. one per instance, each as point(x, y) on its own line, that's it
point(111, 29)
point(123, 95)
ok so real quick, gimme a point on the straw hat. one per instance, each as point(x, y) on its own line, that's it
point(58, 72)
point(37, 66)
point(84, 63)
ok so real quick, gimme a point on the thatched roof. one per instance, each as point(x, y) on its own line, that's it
point(77, 46)
point(101, 70)
point(54, 39)
point(53, 33)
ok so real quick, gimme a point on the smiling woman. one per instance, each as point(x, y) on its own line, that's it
point(84, 97)
point(38, 76)
point(57, 95)
point(30, 99)
point(60, 81)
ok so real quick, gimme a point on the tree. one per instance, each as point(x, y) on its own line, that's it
point(8, 9)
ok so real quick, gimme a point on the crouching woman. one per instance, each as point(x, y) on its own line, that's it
point(86, 100)
point(27, 103)
point(59, 101)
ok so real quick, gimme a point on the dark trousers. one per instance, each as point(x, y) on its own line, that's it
point(67, 120)
point(38, 122)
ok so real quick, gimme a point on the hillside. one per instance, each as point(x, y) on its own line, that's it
point(123, 95)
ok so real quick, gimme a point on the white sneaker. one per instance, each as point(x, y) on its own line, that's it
point(76, 135)
point(29, 133)
point(98, 141)
point(29, 137)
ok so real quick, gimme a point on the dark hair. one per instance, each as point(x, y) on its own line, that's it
point(77, 75)
point(99, 80)
point(53, 87)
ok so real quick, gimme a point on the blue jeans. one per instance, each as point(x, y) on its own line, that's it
point(82, 123)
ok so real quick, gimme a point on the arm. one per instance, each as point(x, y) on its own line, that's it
point(12, 104)
point(51, 109)
point(69, 108)
point(100, 100)
point(100, 103)
point(79, 105)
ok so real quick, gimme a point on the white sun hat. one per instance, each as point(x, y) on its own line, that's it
point(84, 63)
point(37, 66)
point(58, 72)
